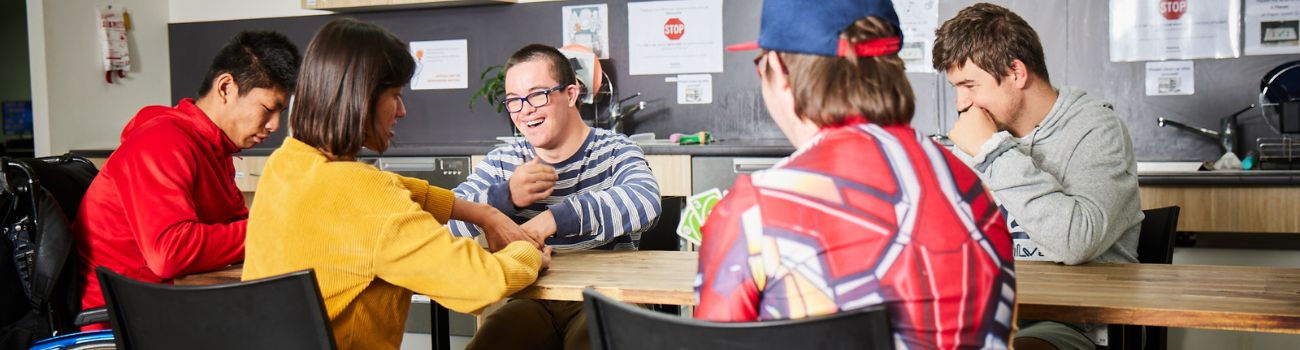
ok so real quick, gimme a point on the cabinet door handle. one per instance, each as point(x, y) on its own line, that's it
point(749, 165)
point(410, 167)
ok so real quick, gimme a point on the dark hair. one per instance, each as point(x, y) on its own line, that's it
point(829, 89)
point(256, 59)
point(992, 37)
point(560, 69)
point(347, 65)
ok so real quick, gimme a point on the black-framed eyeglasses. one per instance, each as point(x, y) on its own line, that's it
point(537, 100)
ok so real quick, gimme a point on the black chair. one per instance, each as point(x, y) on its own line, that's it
point(282, 312)
point(38, 273)
point(1155, 246)
point(615, 325)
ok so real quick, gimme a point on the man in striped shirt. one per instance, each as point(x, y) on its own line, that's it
point(570, 186)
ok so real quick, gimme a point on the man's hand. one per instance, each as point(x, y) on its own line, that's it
point(546, 257)
point(501, 231)
point(541, 226)
point(531, 182)
point(974, 126)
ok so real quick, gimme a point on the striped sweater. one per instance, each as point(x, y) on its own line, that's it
point(604, 199)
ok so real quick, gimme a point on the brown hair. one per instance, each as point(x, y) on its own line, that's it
point(992, 37)
point(347, 65)
point(829, 89)
point(561, 71)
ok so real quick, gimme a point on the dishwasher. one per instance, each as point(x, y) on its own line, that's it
point(445, 172)
point(721, 172)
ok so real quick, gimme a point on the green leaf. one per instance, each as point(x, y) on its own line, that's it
point(493, 87)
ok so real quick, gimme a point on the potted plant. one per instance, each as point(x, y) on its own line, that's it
point(493, 89)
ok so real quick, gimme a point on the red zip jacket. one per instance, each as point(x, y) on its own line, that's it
point(164, 205)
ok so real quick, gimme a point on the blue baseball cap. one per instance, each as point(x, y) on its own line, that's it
point(813, 27)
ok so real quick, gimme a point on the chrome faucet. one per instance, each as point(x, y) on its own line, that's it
point(619, 113)
point(1226, 136)
point(616, 113)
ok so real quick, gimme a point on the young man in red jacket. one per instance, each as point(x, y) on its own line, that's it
point(165, 204)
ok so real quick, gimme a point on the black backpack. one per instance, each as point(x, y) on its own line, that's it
point(39, 295)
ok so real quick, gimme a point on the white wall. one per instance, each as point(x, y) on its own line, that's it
point(78, 109)
point(184, 11)
point(73, 108)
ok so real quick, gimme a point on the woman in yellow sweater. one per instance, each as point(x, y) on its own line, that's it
point(372, 236)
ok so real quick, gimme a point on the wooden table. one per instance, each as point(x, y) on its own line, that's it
point(1239, 298)
point(642, 277)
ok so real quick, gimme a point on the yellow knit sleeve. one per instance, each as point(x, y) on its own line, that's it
point(433, 199)
point(418, 254)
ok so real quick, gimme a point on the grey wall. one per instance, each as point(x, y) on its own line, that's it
point(15, 70)
point(1074, 35)
point(494, 32)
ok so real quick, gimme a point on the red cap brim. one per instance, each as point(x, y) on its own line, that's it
point(749, 46)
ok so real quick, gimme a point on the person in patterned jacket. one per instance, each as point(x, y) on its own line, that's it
point(867, 211)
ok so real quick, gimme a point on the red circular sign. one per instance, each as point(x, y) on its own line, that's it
point(674, 28)
point(1173, 9)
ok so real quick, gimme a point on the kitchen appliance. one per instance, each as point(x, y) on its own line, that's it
point(721, 172)
point(445, 172)
point(1279, 101)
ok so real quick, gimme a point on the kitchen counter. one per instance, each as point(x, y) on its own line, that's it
point(1219, 178)
point(1186, 174)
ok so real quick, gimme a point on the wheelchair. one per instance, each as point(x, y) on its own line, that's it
point(39, 296)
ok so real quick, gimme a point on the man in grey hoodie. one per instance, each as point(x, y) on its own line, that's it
point(1058, 161)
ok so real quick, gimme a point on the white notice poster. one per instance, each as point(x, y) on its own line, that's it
point(919, 19)
point(1272, 27)
point(694, 89)
point(1171, 78)
point(588, 25)
point(1153, 30)
point(671, 37)
point(442, 64)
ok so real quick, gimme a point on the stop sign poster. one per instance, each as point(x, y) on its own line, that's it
point(1153, 30)
point(673, 37)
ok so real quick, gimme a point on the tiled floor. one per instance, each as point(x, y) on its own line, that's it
point(420, 341)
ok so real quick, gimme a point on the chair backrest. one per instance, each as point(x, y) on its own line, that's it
point(1155, 246)
point(1156, 241)
point(281, 312)
point(662, 234)
point(615, 325)
point(39, 198)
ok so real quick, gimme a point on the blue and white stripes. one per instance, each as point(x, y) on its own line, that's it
point(604, 198)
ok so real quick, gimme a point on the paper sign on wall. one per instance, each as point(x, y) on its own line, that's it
point(1171, 78)
point(1272, 27)
point(671, 37)
point(694, 89)
point(918, 19)
point(588, 25)
point(441, 64)
point(1154, 30)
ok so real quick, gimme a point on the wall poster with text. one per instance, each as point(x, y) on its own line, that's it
point(1153, 30)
